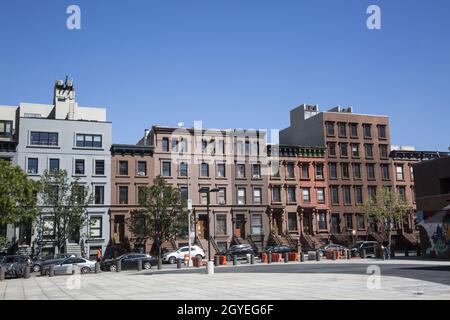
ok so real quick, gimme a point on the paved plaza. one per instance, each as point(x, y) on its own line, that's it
point(276, 281)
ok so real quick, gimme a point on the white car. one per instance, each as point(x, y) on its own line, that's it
point(171, 257)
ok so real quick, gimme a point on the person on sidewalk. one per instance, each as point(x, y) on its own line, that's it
point(99, 255)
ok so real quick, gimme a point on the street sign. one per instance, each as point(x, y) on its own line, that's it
point(189, 204)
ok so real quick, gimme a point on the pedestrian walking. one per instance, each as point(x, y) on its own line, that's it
point(99, 255)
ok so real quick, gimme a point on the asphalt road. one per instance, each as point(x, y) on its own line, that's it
point(433, 273)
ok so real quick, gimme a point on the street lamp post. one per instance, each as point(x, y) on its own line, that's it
point(208, 191)
point(353, 233)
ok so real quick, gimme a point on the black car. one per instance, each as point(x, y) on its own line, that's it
point(370, 248)
point(47, 260)
point(280, 249)
point(129, 261)
point(240, 250)
point(15, 266)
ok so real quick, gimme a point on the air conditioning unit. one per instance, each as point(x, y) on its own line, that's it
point(142, 174)
point(221, 202)
point(256, 176)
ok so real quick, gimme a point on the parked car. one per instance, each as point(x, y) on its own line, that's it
point(129, 261)
point(369, 246)
point(280, 249)
point(239, 250)
point(66, 266)
point(331, 246)
point(15, 265)
point(171, 257)
point(47, 260)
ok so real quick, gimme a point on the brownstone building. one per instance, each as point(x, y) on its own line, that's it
point(298, 196)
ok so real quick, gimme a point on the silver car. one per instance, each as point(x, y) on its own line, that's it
point(71, 265)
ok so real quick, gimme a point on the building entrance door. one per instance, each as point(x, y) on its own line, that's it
point(335, 228)
point(119, 228)
point(307, 223)
point(240, 226)
point(202, 226)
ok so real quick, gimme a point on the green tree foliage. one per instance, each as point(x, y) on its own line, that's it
point(387, 209)
point(18, 195)
point(66, 201)
point(163, 214)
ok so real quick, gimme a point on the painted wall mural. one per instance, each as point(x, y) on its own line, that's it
point(434, 232)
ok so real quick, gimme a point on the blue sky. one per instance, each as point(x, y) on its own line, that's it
point(234, 63)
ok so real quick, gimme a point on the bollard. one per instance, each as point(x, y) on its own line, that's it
point(286, 257)
point(363, 253)
point(302, 257)
point(234, 260)
point(2, 273)
point(317, 255)
point(334, 255)
point(216, 260)
point(418, 251)
point(51, 270)
point(349, 254)
point(119, 266)
point(197, 262)
point(406, 253)
point(269, 258)
point(393, 254)
point(26, 272)
point(159, 263)
point(252, 259)
point(97, 267)
point(179, 263)
point(209, 267)
point(139, 265)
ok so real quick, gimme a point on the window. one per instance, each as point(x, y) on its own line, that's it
point(241, 195)
point(372, 192)
point(411, 171)
point(361, 222)
point(382, 131)
point(79, 166)
point(402, 192)
point(123, 168)
point(353, 130)
point(320, 195)
point(367, 130)
point(306, 195)
point(204, 170)
point(385, 171)
point(183, 145)
point(257, 192)
point(222, 196)
point(184, 193)
point(333, 170)
point(183, 169)
point(99, 192)
point(292, 221)
point(174, 145)
point(89, 140)
point(369, 150)
point(322, 220)
point(239, 148)
point(240, 171)
point(44, 138)
point(203, 198)
point(220, 147)
point(95, 230)
point(142, 168)
point(332, 149)
point(257, 227)
point(256, 171)
point(399, 172)
point(334, 195)
point(275, 168)
point(290, 174)
point(344, 150)
point(123, 195)
point(204, 146)
point(247, 147)
point(221, 170)
point(291, 195)
point(99, 167)
point(142, 194)
point(276, 194)
point(221, 224)
point(347, 195)
point(358, 195)
point(357, 171)
point(305, 171)
point(166, 169)
point(53, 165)
point(349, 221)
point(383, 151)
point(355, 150)
point(165, 144)
point(48, 228)
point(345, 171)
point(6, 128)
point(342, 129)
point(330, 128)
point(319, 171)
point(371, 171)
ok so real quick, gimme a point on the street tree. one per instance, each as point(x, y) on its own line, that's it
point(162, 215)
point(65, 200)
point(387, 209)
point(18, 195)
